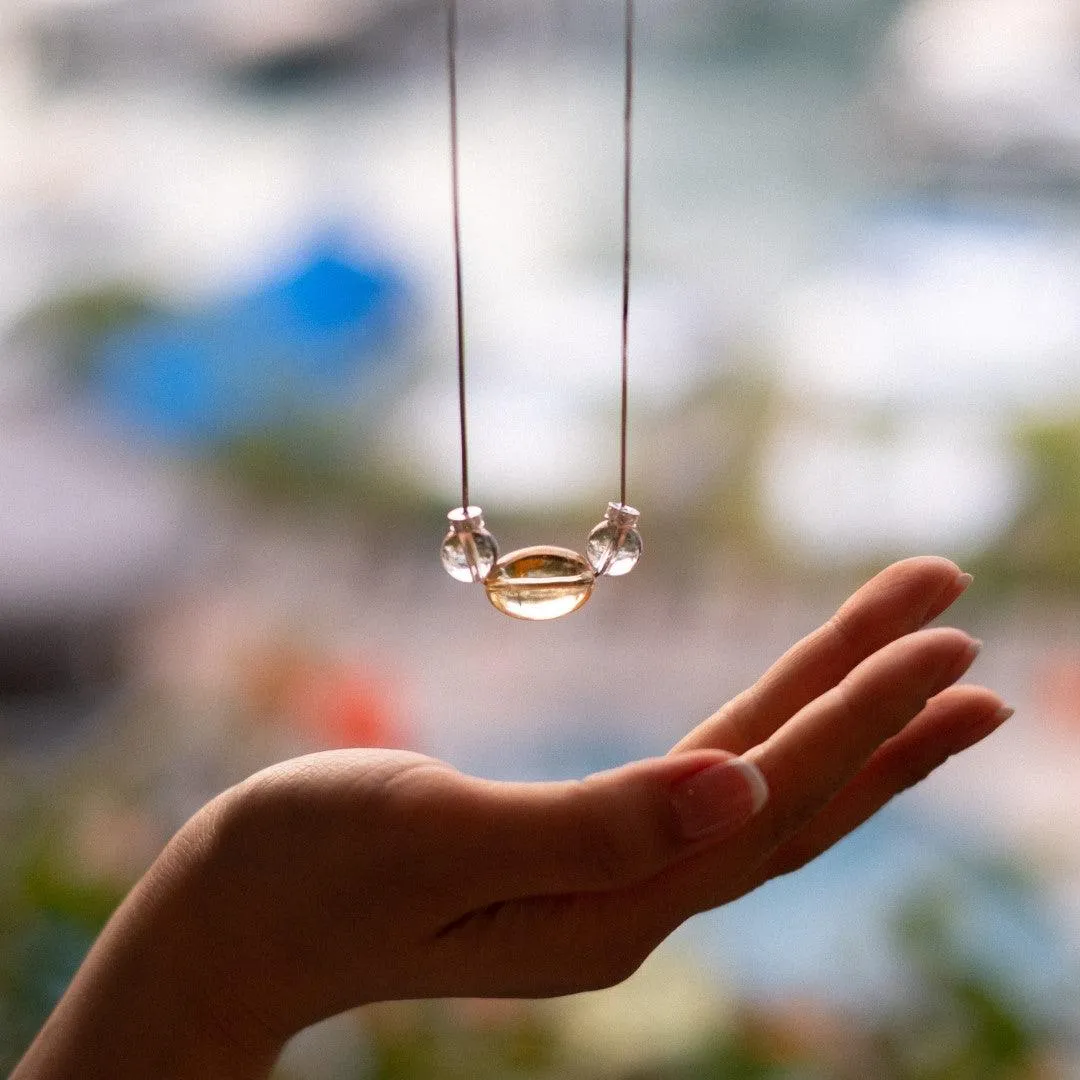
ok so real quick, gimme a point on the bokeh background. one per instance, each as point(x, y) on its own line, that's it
point(228, 443)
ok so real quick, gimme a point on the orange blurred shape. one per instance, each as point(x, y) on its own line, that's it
point(346, 704)
point(1056, 688)
point(271, 673)
point(801, 1030)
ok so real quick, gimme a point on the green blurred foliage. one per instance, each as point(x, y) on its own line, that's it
point(436, 1046)
point(72, 326)
point(701, 490)
point(312, 462)
point(965, 1023)
point(1042, 545)
point(50, 914)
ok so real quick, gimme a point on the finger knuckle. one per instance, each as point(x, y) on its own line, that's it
point(854, 717)
point(783, 824)
point(842, 627)
point(790, 815)
point(845, 703)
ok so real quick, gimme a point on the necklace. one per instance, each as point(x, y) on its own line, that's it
point(540, 582)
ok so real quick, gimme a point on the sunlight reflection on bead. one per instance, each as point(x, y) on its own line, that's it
point(468, 550)
point(614, 546)
point(539, 583)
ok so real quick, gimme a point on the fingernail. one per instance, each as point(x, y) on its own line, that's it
point(948, 596)
point(954, 668)
point(719, 799)
point(983, 724)
point(986, 725)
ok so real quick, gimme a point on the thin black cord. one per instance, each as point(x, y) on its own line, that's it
point(451, 45)
point(629, 96)
point(451, 49)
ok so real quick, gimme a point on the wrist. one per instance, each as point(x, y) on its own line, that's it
point(201, 961)
point(154, 997)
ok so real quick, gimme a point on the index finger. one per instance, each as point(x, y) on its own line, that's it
point(901, 599)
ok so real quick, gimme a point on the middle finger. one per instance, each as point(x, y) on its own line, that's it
point(898, 601)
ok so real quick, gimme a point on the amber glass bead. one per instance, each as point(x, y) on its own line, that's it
point(538, 583)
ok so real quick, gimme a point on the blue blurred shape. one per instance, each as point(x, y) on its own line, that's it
point(291, 347)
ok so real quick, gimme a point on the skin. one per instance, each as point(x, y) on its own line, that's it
point(345, 878)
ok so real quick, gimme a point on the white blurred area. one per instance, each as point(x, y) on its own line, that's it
point(115, 173)
point(988, 83)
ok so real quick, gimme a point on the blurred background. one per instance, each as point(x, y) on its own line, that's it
point(228, 444)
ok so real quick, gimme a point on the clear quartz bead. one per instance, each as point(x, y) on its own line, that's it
point(539, 583)
point(615, 545)
point(468, 550)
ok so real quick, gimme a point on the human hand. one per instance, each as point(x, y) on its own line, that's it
point(355, 876)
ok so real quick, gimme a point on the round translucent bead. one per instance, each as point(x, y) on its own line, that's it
point(615, 545)
point(468, 550)
point(538, 583)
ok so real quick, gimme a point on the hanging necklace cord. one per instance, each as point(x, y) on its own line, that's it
point(628, 39)
point(451, 48)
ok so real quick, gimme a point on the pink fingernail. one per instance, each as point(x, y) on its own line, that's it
point(948, 596)
point(719, 799)
point(960, 664)
point(986, 725)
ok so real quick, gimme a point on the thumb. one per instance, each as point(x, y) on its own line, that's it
point(610, 830)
